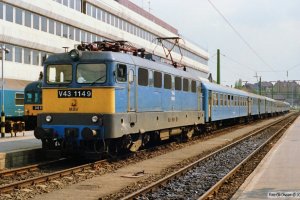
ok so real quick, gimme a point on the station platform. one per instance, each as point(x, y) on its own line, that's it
point(19, 150)
point(278, 174)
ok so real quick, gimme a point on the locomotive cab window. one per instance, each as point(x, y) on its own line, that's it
point(91, 73)
point(121, 73)
point(59, 74)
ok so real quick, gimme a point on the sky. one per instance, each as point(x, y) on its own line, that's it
point(262, 37)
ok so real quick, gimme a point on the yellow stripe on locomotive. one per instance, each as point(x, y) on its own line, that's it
point(32, 109)
point(83, 100)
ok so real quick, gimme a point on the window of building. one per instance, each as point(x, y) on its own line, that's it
point(99, 14)
point(88, 9)
point(157, 79)
point(9, 13)
point(65, 2)
point(27, 56)
point(1, 10)
point(88, 37)
point(36, 21)
point(77, 34)
point(51, 26)
point(19, 99)
point(193, 86)
point(143, 77)
point(185, 85)
point(44, 24)
point(35, 57)
point(178, 83)
point(71, 33)
point(122, 73)
point(18, 54)
point(28, 19)
point(9, 56)
point(167, 81)
point(19, 16)
point(65, 31)
point(83, 36)
point(78, 5)
point(58, 28)
point(94, 11)
point(103, 18)
point(72, 4)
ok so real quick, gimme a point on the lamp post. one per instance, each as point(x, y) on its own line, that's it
point(2, 56)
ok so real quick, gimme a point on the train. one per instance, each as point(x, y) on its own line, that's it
point(32, 103)
point(13, 99)
point(108, 97)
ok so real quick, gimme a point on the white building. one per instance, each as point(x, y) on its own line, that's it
point(31, 29)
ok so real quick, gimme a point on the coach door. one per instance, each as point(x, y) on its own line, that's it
point(210, 101)
point(249, 105)
point(131, 89)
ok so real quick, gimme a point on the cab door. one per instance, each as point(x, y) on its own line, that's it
point(131, 95)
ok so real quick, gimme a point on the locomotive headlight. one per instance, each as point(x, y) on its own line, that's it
point(48, 118)
point(75, 54)
point(95, 119)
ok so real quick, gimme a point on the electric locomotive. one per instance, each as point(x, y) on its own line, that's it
point(107, 97)
point(32, 104)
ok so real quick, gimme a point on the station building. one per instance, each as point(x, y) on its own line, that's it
point(34, 29)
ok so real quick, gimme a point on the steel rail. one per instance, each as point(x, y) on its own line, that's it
point(29, 168)
point(214, 189)
point(180, 172)
point(48, 177)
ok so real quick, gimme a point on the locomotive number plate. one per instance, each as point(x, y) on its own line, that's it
point(74, 93)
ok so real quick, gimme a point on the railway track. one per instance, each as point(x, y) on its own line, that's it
point(6, 188)
point(16, 188)
point(195, 181)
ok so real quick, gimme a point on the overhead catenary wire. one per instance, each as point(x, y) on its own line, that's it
point(241, 37)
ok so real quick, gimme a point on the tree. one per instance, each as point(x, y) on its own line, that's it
point(238, 84)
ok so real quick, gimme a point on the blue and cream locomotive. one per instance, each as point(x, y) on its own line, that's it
point(106, 101)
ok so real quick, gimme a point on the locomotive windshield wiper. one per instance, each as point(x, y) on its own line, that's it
point(98, 79)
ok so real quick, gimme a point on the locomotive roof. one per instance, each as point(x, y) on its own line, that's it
point(33, 85)
point(96, 56)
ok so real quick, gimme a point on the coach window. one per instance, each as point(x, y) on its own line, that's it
point(167, 81)
point(143, 77)
point(157, 79)
point(121, 73)
point(178, 83)
point(228, 100)
point(19, 99)
point(185, 85)
point(217, 98)
point(221, 99)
